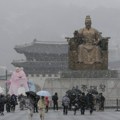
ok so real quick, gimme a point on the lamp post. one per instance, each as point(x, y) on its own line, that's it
point(6, 76)
point(6, 73)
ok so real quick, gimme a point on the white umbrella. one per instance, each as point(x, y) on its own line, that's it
point(43, 93)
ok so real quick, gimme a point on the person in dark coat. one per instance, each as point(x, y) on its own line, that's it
point(102, 101)
point(29, 104)
point(55, 101)
point(8, 102)
point(91, 102)
point(13, 101)
point(36, 99)
point(21, 99)
point(83, 103)
point(2, 102)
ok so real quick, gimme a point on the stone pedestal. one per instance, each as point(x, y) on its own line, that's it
point(89, 74)
point(107, 82)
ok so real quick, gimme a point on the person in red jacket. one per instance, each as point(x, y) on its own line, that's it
point(47, 103)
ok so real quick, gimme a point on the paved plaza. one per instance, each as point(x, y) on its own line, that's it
point(58, 115)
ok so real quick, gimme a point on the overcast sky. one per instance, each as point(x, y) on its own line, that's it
point(51, 20)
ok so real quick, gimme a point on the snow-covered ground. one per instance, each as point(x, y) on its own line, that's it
point(111, 114)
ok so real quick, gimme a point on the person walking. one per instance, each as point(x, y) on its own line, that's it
point(13, 103)
point(41, 107)
point(29, 104)
point(8, 102)
point(55, 101)
point(21, 99)
point(35, 103)
point(2, 103)
point(65, 103)
point(91, 102)
point(102, 101)
point(97, 102)
point(47, 103)
point(83, 103)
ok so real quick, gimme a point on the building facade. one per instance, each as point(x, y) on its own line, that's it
point(43, 57)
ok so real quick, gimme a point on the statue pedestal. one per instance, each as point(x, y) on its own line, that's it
point(89, 74)
point(105, 81)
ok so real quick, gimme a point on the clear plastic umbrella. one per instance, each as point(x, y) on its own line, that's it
point(43, 93)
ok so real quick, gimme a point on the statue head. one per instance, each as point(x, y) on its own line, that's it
point(88, 22)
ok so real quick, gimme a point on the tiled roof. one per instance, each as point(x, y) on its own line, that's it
point(43, 47)
point(37, 67)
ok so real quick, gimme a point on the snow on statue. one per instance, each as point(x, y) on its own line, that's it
point(17, 81)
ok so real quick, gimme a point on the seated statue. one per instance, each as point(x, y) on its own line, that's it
point(88, 48)
point(89, 52)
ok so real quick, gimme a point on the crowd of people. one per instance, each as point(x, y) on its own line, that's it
point(10, 101)
point(83, 102)
point(40, 104)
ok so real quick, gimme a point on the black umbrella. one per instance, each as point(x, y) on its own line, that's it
point(77, 91)
point(92, 91)
point(31, 93)
point(74, 92)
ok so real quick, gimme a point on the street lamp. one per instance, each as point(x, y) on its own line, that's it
point(6, 73)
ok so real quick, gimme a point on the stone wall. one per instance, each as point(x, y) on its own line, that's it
point(110, 87)
point(107, 82)
point(40, 79)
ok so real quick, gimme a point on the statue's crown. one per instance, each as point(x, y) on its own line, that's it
point(88, 18)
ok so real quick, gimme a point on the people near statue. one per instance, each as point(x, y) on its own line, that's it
point(65, 104)
point(36, 99)
point(89, 52)
point(97, 102)
point(29, 104)
point(2, 103)
point(21, 99)
point(90, 100)
point(8, 102)
point(55, 101)
point(13, 101)
point(41, 107)
point(47, 103)
point(102, 101)
point(75, 101)
point(82, 103)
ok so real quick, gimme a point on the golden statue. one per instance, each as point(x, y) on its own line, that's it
point(89, 52)
point(88, 49)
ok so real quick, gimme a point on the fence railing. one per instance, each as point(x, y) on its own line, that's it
point(111, 103)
